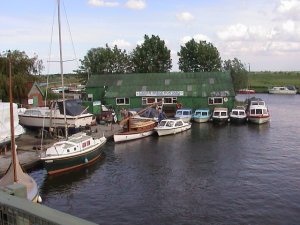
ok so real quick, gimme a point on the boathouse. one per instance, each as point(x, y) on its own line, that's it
point(189, 90)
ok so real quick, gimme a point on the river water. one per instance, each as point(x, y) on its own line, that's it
point(246, 174)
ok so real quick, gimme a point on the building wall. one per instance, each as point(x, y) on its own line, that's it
point(35, 93)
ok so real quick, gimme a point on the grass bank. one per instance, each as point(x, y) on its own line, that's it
point(261, 81)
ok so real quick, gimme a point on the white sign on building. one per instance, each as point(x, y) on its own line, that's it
point(159, 93)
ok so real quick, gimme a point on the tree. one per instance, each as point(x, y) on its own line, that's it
point(22, 69)
point(106, 60)
point(238, 73)
point(152, 56)
point(199, 57)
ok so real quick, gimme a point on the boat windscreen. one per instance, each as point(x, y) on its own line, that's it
point(73, 108)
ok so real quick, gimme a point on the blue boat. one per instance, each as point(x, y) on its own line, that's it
point(201, 115)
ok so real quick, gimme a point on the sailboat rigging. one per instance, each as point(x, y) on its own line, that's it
point(78, 150)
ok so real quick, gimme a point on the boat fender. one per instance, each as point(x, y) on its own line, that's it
point(86, 160)
point(39, 199)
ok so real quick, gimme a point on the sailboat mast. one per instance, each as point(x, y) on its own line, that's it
point(12, 127)
point(61, 69)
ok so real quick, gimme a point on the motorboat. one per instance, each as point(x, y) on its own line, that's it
point(184, 114)
point(137, 127)
point(5, 133)
point(171, 126)
point(246, 91)
point(220, 115)
point(201, 115)
point(285, 90)
point(238, 115)
point(53, 116)
point(257, 111)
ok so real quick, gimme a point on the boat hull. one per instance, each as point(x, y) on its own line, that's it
point(259, 119)
point(201, 119)
point(238, 120)
point(128, 136)
point(55, 165)
point(168, 131)
point(219, 120)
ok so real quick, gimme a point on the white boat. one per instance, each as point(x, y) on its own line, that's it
point(172, 126)
point(257, 111)
point(285, 90)
point(5, 133)
point(184, 114)
point(15, 174)
point(220, 115)
point(76, 151)
point(201, 115)
point(136, 128)
point(238, 115)
point(53, 116)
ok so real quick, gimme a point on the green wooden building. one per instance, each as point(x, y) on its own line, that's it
point(191, 90)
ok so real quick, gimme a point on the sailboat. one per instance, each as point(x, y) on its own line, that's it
point(15, 174)
point(76, 151)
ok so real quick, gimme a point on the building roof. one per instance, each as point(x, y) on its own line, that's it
point(201, 84)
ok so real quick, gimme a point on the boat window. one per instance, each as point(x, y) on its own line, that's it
point(223, 113)
point(217, 113)
point(242, 113)
point(258, 111)
point(162, 123)
point(265, 111)
point(33, 113)
point(170, 124)
point(122, 101)
point(88, 143)
point(204, 113)
point(179, 113)
point(68, 150)
point(186, 113)
point(234, 113)
point(252, 111)
point(178, 123)
point(74, 149)
point(83, 144)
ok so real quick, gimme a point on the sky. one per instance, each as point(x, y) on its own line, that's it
point(263, 34)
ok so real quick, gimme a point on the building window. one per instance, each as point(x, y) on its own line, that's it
point(90, 97)
point(215, 100)
point(122, 101)
point(152, 100)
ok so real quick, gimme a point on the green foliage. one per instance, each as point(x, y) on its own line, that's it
point(22, 69)
point(152, 56)
point(238, 73)
point(199, 57)
point(106, 60)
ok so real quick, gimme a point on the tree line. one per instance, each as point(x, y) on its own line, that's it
point(152, 56)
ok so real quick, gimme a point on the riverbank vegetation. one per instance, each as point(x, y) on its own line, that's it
point(261, 81)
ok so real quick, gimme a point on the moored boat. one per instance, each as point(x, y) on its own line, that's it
point(172, 126)
point(78, 151)
point(285, 90)
point(246, 91)
point(201, 115)
point(220, 115)
point(136, 128)
point(257, 111)
point(238, 115)
point(184, 114)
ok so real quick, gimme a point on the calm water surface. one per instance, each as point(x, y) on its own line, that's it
point(247, 174)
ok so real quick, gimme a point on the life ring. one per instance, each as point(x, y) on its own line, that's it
point(225, 99)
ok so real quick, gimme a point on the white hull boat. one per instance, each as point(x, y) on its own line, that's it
point(172, 126)
point(5, 133)
point(53, 117)
point(201, 115)
point(184, 114)
point(285, 90)
point(257, 111)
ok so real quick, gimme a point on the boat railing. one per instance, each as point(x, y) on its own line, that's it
point(16, 210)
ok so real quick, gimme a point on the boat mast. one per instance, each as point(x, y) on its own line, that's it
point(61, 69)
point(12, 127)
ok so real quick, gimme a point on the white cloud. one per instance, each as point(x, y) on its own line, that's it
point(289, 8)
point(122, 44)
point(289, 26)
point(185, 16)
point(103, 3)
point(197, 38)
point(136, 4)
